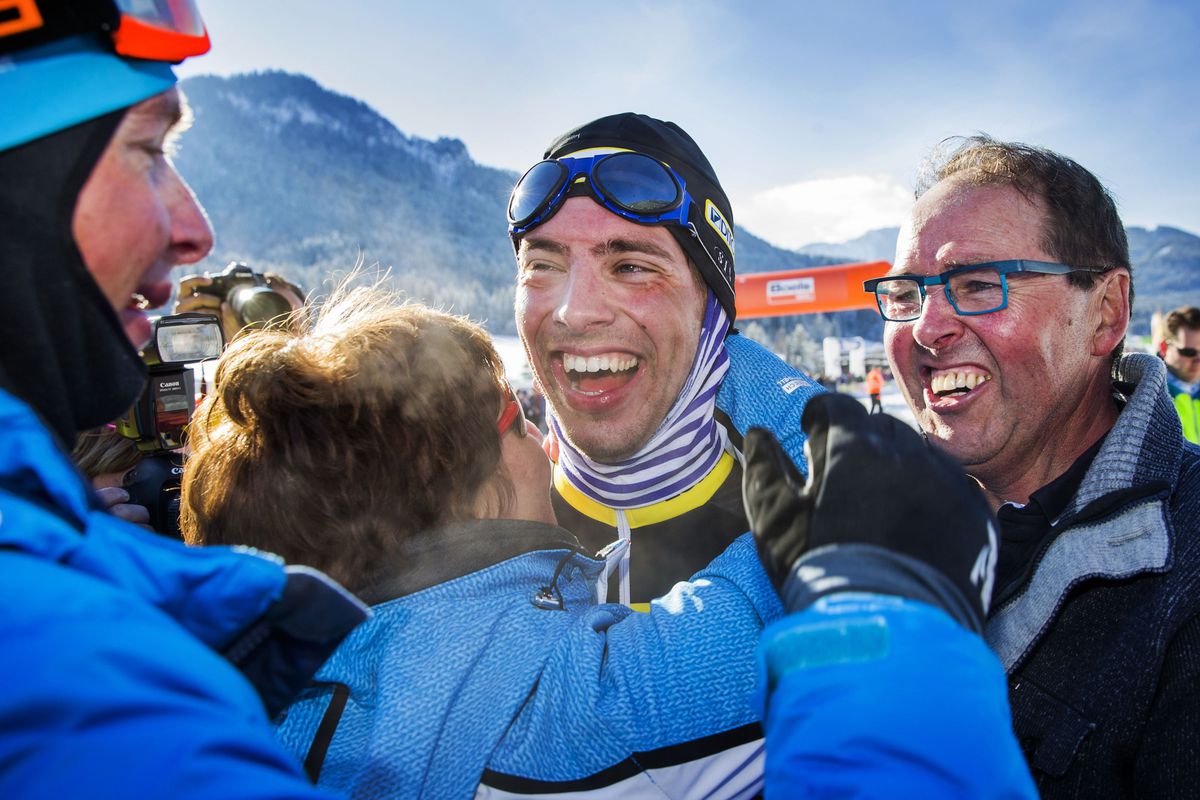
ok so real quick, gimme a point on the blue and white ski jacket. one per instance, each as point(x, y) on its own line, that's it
point(113, 686)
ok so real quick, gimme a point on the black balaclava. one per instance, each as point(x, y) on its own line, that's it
point(64, 351)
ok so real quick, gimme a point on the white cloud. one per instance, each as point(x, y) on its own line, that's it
point(824, 210)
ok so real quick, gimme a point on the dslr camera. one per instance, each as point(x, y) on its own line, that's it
point(158, 420)
point(249, 294)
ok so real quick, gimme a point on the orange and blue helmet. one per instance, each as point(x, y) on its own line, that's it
point(63, 62)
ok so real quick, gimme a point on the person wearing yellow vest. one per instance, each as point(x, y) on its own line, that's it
point(625, 305)
point(1180, 349)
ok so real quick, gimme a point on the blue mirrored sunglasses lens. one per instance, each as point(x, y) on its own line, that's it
point(636, 183)
point(534, 190)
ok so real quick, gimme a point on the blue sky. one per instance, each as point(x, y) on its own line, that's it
point(815, 115)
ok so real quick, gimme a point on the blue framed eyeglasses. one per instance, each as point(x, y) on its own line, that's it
point(972, 290)
point(1186, 352)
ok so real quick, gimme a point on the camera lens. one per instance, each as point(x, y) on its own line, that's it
point(256, 305)
point(154, 483)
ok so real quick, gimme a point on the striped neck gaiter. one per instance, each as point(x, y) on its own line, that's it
point(681, 452)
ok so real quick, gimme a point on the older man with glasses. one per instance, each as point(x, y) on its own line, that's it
point(1006, 313)
point(1180, 349)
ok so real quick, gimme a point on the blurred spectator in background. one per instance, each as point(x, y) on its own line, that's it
point(105, 457)
point(535, 408)
point(1180, 348)
point(826, 381)
point(874, 386)
point(197, 295)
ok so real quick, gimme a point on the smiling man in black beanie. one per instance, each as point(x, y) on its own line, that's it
point(123, 648)
point(625, 250)
point(625, 305)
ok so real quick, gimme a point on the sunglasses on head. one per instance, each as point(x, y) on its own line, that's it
point(631, 185)
point(513, 416)
point(1186, 352)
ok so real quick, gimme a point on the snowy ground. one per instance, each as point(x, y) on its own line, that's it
point(893, 402)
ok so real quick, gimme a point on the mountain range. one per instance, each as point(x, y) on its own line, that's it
point(306, 182)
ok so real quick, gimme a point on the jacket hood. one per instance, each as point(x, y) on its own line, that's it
point(49, 513)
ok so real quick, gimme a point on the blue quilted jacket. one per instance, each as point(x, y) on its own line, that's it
point(112, 685)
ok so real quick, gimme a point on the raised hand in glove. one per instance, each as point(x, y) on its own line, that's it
point(881, 512)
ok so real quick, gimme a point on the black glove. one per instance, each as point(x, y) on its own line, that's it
point(902, 517)
point(286, 646)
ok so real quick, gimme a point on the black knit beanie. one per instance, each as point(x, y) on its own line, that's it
point(708, 240)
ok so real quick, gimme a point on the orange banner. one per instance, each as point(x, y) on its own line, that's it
point(837, 287)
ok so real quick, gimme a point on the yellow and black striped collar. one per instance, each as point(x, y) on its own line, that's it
point(651, 514)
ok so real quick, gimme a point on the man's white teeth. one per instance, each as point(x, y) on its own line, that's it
point(608, 363)
point(138, 301)
point(947, 382)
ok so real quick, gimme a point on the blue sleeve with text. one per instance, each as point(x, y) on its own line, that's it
point(761, 391)
point(873, 696)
